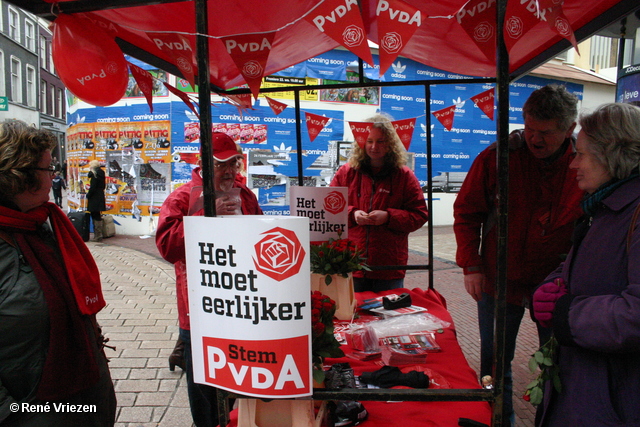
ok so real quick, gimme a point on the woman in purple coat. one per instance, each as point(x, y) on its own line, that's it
point(592, 301)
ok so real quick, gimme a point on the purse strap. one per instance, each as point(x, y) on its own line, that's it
point(7, 238)
point(632, 226)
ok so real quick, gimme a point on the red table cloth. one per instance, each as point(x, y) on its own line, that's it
point(447, 366)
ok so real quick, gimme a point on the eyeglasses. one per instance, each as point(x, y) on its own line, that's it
point(51, 170)
point(231, 164)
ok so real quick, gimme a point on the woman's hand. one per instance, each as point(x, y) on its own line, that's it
point(371, 218)
point(378, 217)
point(544, 301)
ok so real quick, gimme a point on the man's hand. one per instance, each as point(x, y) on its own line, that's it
point(473, 283)
point(226, 206)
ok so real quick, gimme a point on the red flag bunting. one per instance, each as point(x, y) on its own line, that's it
point(519, 19)
point(183, 96)
point(341, 20)
point(558, 22)
point(277, 106)
point(397, 22)
point(315, 124)
point(445, 116)
point(360, 131)
point(144, 80)
point(485, 101)
point(477, 19)
point(242, 100)
point(179, 48)
point(250, 53)
point(404, 129)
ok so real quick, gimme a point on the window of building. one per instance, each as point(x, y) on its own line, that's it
point(3, 89)
point(16, 80)
point(43, 96)
point(52, 66)
point(60, 99)
point(14, 24)
point(43, 53)
point(30, 35)
point(52, 101)
point(31, 86)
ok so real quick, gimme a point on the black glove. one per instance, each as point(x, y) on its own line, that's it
point(390, 376)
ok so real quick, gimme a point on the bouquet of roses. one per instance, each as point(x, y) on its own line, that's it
point(323, 342)
point(337, 256)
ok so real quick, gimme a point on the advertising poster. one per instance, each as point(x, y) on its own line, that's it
point(249, 304)
point(326, 208)
point(156, 142)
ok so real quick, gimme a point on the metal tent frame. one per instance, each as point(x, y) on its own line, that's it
point(503, 77)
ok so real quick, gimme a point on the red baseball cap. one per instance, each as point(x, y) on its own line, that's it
point(223, 147)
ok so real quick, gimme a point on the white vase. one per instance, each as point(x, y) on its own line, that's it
point(340, 290)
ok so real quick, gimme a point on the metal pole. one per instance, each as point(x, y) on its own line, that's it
point(427, 97)
point(204, 97)
point(502, 92)
point(299, 140)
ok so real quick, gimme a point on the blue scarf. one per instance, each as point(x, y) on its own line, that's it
point(591, 203)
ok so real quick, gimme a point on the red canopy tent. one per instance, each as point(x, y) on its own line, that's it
point(453, 35)
point(441, 40)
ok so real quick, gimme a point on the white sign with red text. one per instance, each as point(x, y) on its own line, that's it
point(327, 209)
point(249, 304)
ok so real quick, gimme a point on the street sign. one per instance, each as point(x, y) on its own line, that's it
point(4, 103)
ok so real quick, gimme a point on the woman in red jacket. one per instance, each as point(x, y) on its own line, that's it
point(386, 203)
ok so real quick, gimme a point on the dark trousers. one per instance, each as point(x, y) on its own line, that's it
point(203, 399)
point(57, 197)
point(486, 316)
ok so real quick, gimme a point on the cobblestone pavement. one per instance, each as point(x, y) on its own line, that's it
point(141, 321)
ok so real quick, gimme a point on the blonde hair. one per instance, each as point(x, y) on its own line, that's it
point(395, 157)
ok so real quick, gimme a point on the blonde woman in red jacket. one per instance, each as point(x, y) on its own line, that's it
point(386, 203)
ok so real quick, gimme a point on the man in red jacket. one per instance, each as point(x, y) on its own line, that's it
point(184, 201)
point(544, 203)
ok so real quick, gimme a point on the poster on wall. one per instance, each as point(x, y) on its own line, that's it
point(249, 304)
point(326, 208)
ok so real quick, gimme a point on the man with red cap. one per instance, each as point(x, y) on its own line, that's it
point(187, 201)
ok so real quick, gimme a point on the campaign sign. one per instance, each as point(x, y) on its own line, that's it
point(327, 209)
point(249, 304)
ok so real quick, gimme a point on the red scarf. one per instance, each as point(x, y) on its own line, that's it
point(70, 288)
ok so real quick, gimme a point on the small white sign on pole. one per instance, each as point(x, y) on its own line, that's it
point(249, 304)
point(327, 209)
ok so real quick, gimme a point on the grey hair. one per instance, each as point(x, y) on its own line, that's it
point(21, 149)
point(552, 102)
point(613, 131)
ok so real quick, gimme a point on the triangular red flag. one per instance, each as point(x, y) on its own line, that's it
point(397, 22)
point(404, 129)
point(250, 53)
point(242, 100)
point(518, 20)
point(179, 47)
point(277, 106)
point(360, 131)
point(485, 101)
point(144, 80)
point(555, 17)
point(315, 124)
point(477, 18)
point(341, 20)
point(445, 116)
point(183, 96)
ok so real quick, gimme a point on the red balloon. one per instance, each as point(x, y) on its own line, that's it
point(88, 61)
